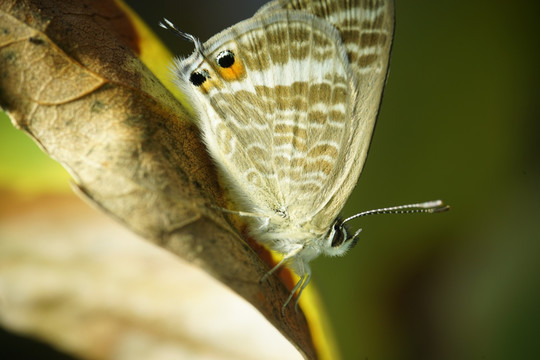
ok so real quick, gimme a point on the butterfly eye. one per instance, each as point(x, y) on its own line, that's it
point(198, 78)
point(340, 235)
point(225, 59)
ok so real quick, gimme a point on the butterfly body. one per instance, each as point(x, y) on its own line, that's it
point(286, 102)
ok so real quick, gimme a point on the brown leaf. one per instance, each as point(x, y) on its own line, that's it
point(72, 83)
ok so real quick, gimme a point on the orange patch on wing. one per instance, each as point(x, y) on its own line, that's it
point(206, 87)
point(209, 84)
point(236, 71)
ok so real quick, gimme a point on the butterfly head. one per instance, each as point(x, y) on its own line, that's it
point(339, 239)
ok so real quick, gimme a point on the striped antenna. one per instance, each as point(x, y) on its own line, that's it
point(425, 207)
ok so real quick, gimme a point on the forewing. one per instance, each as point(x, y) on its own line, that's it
point(276, 120)
point(366, 29)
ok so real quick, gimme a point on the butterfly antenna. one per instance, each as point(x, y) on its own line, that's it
point(425, 207)
point(166, 24)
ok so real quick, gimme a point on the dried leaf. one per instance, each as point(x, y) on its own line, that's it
point(72, 82)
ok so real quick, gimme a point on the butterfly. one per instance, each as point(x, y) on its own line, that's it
point(286, 102)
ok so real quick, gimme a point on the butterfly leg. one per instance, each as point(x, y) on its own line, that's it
point(300, 286)
point(293, 291)
point(283, 261)
point(240, 213)
point(306, 278)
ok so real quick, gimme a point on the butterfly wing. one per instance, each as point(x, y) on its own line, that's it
point(276, 121)
point(366, 29)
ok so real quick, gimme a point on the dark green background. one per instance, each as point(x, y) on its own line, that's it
point(459, 122)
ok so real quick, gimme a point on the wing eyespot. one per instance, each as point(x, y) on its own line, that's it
point(225, 59)
point(198, 78)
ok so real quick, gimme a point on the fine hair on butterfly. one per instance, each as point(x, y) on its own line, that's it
point(286, 102)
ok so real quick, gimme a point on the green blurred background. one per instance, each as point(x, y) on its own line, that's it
point(459, 122)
